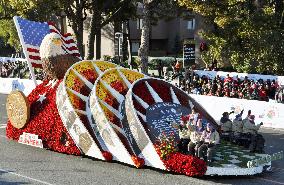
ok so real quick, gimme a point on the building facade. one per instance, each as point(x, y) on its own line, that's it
point(166, 36)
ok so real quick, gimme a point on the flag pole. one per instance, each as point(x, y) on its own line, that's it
point(25, 49)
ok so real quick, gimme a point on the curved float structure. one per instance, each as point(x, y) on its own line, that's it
point(107, 106)
point(113, 113)
point(72, 98)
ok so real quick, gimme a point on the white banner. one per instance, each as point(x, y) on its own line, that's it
point(270, 113)
point(9, 84)
point(11, 59)
point(222, 74)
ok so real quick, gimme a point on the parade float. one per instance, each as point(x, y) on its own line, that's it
point(101, 110)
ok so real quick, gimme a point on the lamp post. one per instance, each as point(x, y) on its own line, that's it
point(119, 36)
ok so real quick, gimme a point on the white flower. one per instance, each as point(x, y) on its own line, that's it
point(51, 46)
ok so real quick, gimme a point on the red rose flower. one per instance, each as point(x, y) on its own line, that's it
point(107, 155)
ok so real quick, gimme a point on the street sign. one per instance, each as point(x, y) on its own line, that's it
point(188, 53)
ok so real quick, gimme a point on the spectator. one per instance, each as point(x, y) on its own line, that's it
point(234, 88)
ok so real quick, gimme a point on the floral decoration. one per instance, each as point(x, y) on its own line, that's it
point(76, 101)
point(139, 162)
point(142, 91)
point(131, 75)
point(74, 83)
point(166, 145)
point(86, 69)
point(176, 161)
point(119, 86)
point(162, 89)
point(101, 91)
point(45, 122)
point(185, 164)
point(111, 76)
point(103, 65)
point(107, 155)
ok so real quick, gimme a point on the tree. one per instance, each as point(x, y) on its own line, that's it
point(103, 13)
point(76, 12)
point(9, 34)
point(248, 34)
point(45, 10)
point(153, 10)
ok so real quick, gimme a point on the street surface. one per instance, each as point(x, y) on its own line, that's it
point(21, 164)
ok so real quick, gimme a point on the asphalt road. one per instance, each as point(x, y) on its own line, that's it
point(21, 164)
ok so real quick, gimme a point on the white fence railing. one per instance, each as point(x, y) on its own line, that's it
point(270, 113)
point(9, 84)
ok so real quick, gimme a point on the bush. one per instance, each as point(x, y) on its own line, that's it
point(106, 57)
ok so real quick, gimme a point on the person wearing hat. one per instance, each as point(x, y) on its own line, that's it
point(226, 126)
point(250, 127)
point(250, 130)
point(210, 137)
point(195, 138)
point(237, 129)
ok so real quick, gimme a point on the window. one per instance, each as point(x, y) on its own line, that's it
point(191, 24)
point(139, 24)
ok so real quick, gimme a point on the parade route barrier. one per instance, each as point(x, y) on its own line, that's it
point(267, 112)
point(222, 74)
point(11, 59)
point(270, 113)
point(7, 85)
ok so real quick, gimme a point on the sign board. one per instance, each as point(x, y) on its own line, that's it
point(30, 139)
point(188, 53)
point(160, 116)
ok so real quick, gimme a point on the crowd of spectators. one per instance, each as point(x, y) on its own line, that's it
point(262, 90)
point(17, 69)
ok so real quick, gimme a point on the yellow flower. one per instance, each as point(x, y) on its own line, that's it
point(83, 66)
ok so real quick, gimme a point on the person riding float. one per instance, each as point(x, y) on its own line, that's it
point(256, 141)
point(195, 138)
point(226, 126)
point(210, 138)
point(184, 130)
point(237, 129)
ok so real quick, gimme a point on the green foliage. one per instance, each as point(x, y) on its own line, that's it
point(246, 34)
point(9, 34)
point(106, 57)
point(37, 10)
point(166, 145)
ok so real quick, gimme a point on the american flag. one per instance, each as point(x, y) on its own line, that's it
point(31, 35)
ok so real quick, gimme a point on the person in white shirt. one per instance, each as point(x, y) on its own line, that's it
point(195, 138)
point(210, 138)
point(255, 141)
point(184, 130)
point(237, 136)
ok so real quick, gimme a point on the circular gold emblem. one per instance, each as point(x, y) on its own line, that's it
point(18, 109)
